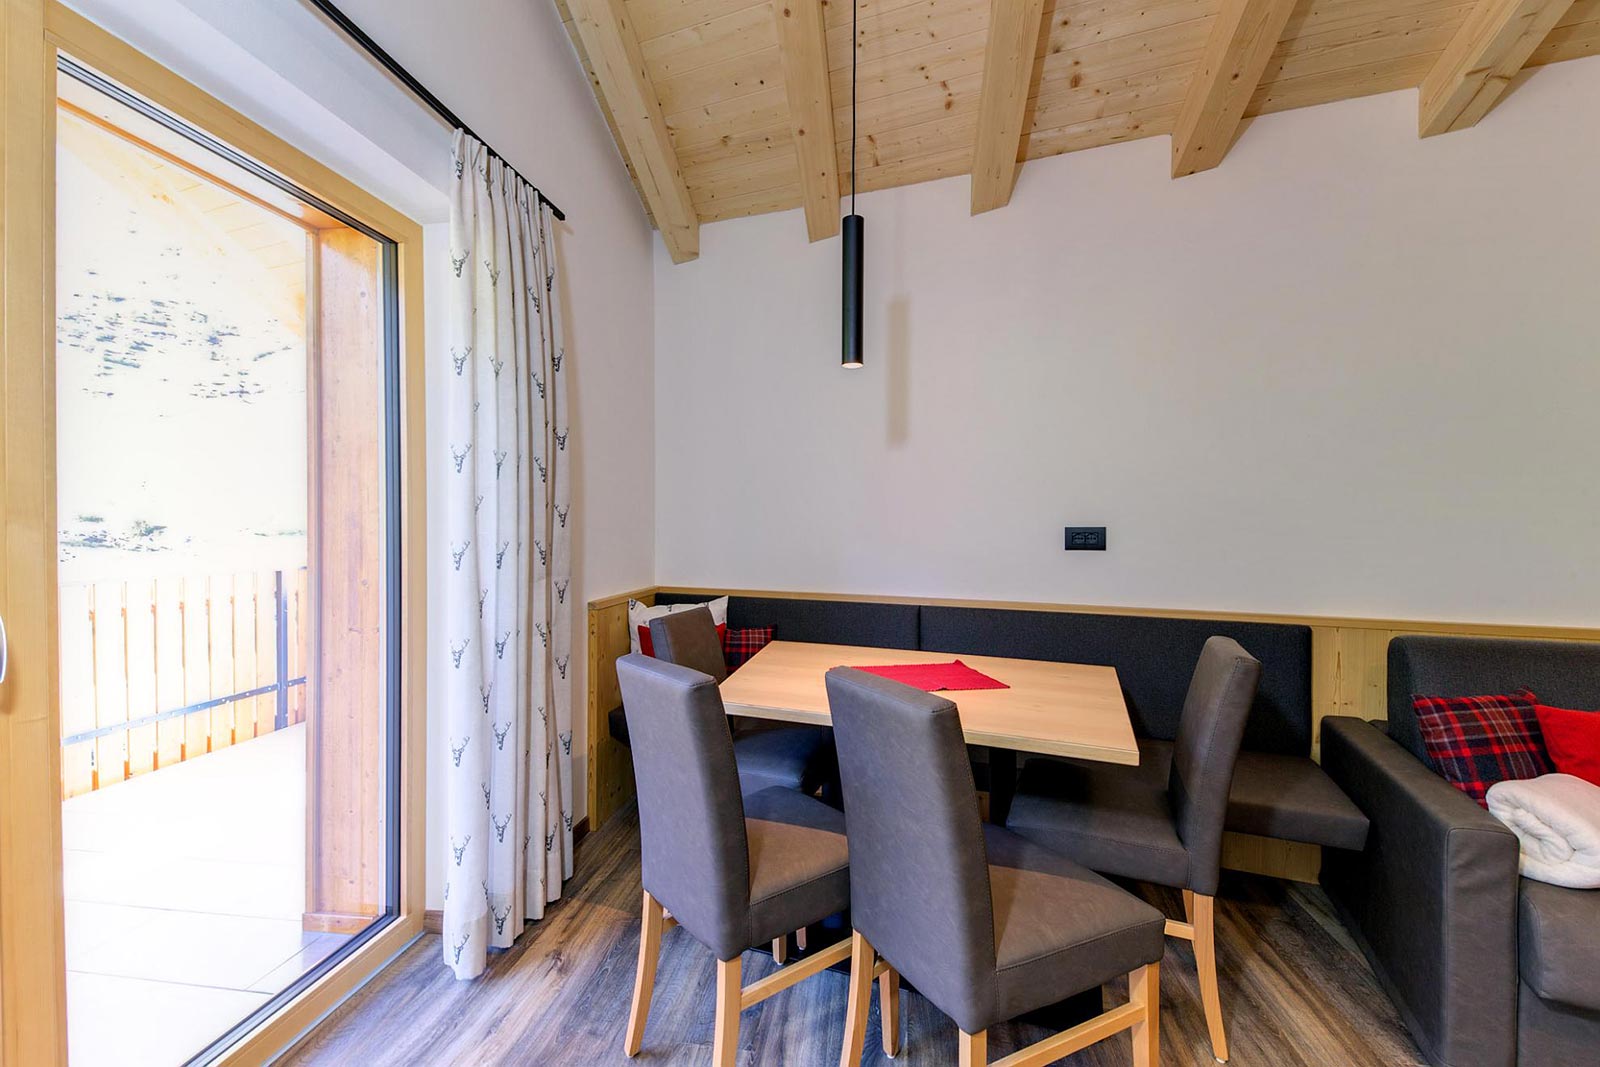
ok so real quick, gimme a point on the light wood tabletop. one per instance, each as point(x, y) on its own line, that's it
point(1061, 709)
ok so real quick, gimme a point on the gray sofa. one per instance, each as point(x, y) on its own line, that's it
point(1486, 968)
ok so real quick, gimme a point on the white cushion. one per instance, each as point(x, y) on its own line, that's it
point(641, 614)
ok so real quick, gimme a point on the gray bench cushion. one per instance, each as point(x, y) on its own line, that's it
point(1289, 798)
point(1556, 932)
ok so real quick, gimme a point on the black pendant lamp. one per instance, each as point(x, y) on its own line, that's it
point(854, 233)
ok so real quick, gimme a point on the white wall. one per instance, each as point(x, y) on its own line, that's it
point(1349, 372)
point(507, 68)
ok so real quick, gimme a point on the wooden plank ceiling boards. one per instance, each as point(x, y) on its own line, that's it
point(707, 97)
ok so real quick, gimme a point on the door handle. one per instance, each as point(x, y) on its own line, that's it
point(4, 649)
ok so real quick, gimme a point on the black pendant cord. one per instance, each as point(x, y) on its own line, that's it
point(421, 92)
point(855, 50)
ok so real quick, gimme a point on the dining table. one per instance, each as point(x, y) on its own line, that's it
point(1075, 710)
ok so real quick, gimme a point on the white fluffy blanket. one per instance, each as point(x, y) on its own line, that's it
point(1556, 817)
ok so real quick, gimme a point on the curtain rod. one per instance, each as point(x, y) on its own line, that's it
point(409, 80)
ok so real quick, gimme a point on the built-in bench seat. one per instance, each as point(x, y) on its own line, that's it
point(1278, 790)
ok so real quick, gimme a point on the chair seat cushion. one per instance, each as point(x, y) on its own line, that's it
point(1060, 929)
point(1558, 954)
point(799, 862)
point(1111, 819)
point(793, 757)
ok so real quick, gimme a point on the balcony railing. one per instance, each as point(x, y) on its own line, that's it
point(158, 671)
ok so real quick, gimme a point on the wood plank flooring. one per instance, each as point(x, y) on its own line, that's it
point(1297, 993)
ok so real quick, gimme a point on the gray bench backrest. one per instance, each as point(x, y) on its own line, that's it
point(1561, 673)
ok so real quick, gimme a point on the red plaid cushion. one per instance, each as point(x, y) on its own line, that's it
point(1474, 742)
point(739, 645)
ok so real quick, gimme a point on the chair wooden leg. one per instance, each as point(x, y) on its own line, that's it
point(800, 939)
point(1205, 959)
point(644, 980)
point(889, 1010)
point(725, 1041)
point(780, 950)
point(1188, 906)
point(859, 1002)
point(1144, 989)
point(972, 1049)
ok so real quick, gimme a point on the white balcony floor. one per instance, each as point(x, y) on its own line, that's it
point(184, 891)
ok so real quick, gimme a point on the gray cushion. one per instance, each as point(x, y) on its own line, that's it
point(833, 622)
point(1060, 929)
point(1291, 799)
point(1108, 818)
point(1563, 673)
point(1558, 933)
point(793, 757)
point(799, 862)
point(1154, 658)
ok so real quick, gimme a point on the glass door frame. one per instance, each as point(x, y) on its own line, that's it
point(33, 34)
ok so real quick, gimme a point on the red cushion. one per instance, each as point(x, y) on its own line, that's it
point(1573, 740)
point(1474, 742)
point(648, 646)
point(739, 645)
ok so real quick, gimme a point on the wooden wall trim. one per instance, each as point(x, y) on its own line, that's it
point(1432, 626)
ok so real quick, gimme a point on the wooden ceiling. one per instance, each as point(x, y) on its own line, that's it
point(725, 108)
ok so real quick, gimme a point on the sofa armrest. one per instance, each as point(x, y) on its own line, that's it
point(1432, 899)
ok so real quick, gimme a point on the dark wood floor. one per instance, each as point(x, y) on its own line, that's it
point(1297, 994)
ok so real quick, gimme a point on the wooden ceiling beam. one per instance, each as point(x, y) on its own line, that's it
point(803, 44)
point(1242, 40)
point(1008, 61)
point(1478, 64)
point(613, 49)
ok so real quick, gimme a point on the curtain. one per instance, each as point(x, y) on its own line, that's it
point(508, 618)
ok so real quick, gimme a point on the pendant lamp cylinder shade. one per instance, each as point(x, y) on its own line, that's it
point(854, 249)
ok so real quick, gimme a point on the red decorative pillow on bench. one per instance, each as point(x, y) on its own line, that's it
point(1573, 740)
point(739, 645)
point(1474, 742)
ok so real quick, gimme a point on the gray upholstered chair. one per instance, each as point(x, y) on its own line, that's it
point(986, 925)
point(733, 870)
point(1128, 822)
point(795, 757)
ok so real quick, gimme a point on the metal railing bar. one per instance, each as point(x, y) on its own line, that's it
point(188, 709)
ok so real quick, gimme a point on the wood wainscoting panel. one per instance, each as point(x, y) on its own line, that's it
point(610, 763)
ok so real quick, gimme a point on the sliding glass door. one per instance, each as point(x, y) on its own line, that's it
point(209, 569)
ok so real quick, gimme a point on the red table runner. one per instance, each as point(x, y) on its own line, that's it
point(933, 677)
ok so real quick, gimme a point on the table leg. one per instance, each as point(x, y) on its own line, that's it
point(1002, 783)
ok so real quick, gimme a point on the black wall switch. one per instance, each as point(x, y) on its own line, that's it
point(1086, 538)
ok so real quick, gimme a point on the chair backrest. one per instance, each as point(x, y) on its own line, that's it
point(919, 876)
point(689, 639)
point(695, 858)
point(1221, 692)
